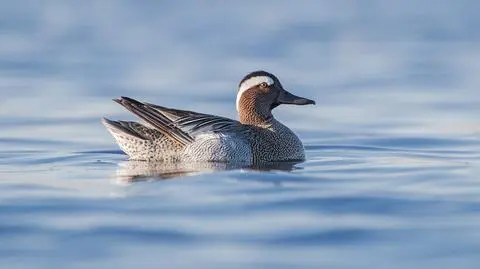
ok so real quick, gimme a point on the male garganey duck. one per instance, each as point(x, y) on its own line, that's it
point(180, 135)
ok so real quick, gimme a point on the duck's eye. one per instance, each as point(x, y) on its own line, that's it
point(263, 85)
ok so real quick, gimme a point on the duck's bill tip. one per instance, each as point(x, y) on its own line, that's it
point(305, 101)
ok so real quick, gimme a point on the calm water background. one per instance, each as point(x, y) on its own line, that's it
point(392, 176)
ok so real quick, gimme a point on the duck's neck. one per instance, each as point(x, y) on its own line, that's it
point(253, 111)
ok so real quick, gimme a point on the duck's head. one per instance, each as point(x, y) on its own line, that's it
point(259, 93)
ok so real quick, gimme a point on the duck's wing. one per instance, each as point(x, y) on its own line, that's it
point(180, 125)
point(196, 123)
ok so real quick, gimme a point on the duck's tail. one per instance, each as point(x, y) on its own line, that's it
point(140, 142)
point(132, 129)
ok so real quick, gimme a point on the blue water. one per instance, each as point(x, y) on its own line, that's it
point(393, 146)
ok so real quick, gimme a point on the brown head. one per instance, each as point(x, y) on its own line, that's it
point(259, 93)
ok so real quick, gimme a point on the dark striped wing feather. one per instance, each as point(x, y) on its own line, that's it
point(200, 123)
point(180, 125)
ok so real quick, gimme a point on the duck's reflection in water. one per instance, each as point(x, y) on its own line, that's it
point(135, 171)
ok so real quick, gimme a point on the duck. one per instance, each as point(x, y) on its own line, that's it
point(174, 135)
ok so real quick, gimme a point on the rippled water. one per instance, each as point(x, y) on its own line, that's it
point(393, 153)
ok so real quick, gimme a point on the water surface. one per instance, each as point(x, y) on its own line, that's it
point(391, 177)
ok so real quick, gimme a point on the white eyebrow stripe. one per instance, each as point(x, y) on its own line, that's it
point(247, 84)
